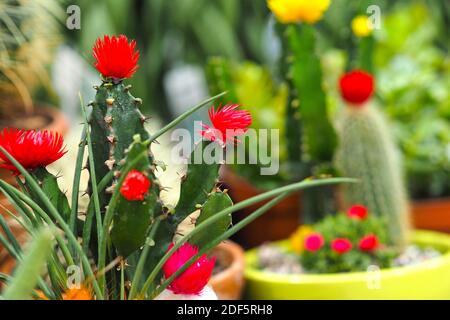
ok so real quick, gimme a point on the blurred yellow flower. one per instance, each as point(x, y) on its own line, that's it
point(291, 11)
point(77, 294)
point(362, 26)
point(298, 237)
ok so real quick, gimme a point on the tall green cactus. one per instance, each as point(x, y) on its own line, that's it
point(310, 134)
point(115, 119)
point(367, 152)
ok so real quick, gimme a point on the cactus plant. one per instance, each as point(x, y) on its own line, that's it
point(367, 152)
point(310, 137)
point(126, 223)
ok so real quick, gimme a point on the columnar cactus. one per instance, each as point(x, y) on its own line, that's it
point(367, 152)
point(310, 136)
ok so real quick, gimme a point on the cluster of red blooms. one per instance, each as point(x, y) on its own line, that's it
point(368, 243)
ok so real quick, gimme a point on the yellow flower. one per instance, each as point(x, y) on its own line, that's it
point(298, 237)
point(291, 11)
point(77, 294)
point(362, 26)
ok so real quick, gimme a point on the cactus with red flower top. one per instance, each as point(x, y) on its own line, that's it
point(127, 224)
point(367, 152)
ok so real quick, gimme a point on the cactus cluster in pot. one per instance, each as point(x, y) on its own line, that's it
point(367, 151)
point(355, 143)
point(125, 242)
point(309, 137)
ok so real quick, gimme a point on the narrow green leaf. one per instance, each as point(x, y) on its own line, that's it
point(27, 275)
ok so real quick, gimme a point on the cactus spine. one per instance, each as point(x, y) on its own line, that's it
point(367, 152)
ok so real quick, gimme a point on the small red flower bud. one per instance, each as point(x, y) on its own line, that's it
point(195, 278)
point(115, 57)
point(135, 186)
point(341, 245)
point(227, 123)
point(31, 148)
point(358, 211)
point(368, 243)
point(314, 242)
point(356, 87)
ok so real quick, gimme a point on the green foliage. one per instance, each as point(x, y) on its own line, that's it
point(171, 33)
point(367, 152)
point(413, 83)
point(26, 276)
point(29, 34)
point(325, 260)
point(251, 85)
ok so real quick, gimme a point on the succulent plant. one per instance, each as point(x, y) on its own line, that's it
point(367, 152)
point(126, 223)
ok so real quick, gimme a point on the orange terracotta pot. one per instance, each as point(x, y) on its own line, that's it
point(229, 283)
point(433, 214)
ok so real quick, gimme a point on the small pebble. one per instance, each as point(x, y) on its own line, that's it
point(271, 258)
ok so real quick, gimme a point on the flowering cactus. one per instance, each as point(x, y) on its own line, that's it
point(367, 152)
point(345, 242)
point(310, 136)
point(126, 223)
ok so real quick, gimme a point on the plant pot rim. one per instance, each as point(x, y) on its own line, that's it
point(237, 262)
point(419, 236)
point(58, 121)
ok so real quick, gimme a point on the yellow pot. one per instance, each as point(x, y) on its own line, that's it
point(426, 280)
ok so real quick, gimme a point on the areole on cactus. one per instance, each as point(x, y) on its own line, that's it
point(126, 224)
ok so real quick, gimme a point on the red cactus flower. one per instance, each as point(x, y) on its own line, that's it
point(356, 86)
point(341, 245)
point(135, 186)
point(195, 278)
point(31, 148)
point(368, 243)
point(358, 212)
point(227, 123)
point(115, 57)
point(314, 242)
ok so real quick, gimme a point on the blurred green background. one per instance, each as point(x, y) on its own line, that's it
point(177, 37)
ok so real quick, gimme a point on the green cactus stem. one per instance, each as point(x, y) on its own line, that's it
point(310, 134)
point(305, 72)
point(367, 152)
point(133, 218)
point(366, 48)
point(220, 79)
point(196, 185)
point(215, 203)
point(115, 119)
point(49, 185)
